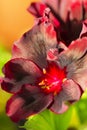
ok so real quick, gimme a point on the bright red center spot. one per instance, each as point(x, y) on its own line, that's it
point(52, 79)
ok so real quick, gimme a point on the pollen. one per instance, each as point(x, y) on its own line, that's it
point(42, 83)
point(44, 71)
point(64, 80)
point(52, 79)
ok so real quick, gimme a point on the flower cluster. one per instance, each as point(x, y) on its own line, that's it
point(66, 16)
point(43, 72)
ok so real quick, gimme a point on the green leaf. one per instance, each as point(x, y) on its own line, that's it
point(6, 123)
point(47, 120)
point(81, 108)
point(4, 57)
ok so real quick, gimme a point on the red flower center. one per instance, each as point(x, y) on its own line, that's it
point(52, 79)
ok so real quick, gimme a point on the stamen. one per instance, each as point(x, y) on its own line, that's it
point(52, 79)
point(42, 83)
point(44, 71)
point(64, 80)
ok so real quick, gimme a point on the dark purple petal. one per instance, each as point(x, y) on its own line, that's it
point(17, 72)
point(35, 43)
point(70, 92)
point(27, 102)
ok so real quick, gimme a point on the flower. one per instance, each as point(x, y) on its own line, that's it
point(33, 46)
point(29, 60)
point(67, 16)
point(39, 77)
point(73, 60)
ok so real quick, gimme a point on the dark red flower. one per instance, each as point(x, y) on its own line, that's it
point(39, 77)
point(67, 16)
point(24, 70)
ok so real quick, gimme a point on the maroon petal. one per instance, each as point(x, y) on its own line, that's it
point(28, 102)
point(17, 72)
point(37, 9)
point(70, 92)
point(75, 61)
point(35, 43)
point(75, 51)
point(58, 106)
point(78, 71)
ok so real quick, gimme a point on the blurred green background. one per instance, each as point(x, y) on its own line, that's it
point(13, 23)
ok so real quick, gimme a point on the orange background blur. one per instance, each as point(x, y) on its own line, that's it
point(14, 20)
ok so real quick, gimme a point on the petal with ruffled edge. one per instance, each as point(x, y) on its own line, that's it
point(78, 71)
point(36, 8)
point(27, 102)
point(75, 61)
point(35, 43)
point(70, 92)
point(17, 72)
point(75, 51)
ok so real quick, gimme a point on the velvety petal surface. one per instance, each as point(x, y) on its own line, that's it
point(27, 102)
point(17, 72)
point(35, 43)
point(78, 71)
point(70, 92)
point(75, 51)
point(75, 61)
